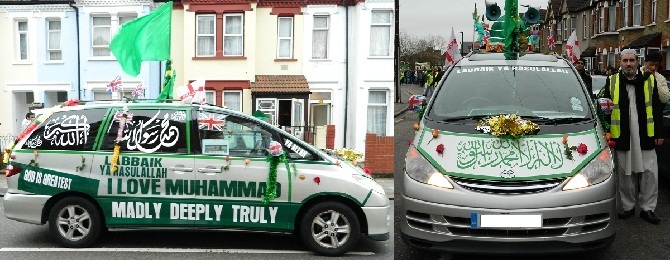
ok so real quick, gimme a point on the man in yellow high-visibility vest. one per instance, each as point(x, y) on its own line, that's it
point(635, 127)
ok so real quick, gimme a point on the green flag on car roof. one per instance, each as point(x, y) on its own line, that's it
point(146, 38)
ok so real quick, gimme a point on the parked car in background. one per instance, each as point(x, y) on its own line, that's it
point(598, 82)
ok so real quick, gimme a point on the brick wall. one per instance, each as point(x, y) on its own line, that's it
point(330, 137)
point(379, 153)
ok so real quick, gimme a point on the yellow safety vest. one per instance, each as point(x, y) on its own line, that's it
point(615, 126)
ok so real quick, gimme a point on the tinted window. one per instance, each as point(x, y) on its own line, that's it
point(149, 131)
point(67, 130)
point(524, 90)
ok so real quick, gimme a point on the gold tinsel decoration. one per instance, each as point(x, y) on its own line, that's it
point(511, 125)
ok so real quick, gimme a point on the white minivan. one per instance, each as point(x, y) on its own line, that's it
point(87, 168)
point(509, 157)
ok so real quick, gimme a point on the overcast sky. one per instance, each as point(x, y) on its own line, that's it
point(436, 17)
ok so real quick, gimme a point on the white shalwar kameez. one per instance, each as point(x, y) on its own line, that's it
point(637, 166)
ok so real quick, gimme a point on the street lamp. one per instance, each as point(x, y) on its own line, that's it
point(461, 41)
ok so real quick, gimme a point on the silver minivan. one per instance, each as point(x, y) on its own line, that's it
point(509, 157)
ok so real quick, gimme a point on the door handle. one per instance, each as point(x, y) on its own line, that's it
point(180, 168)
point(209, 170)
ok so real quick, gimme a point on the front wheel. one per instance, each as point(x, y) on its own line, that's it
point(330, 228)
point(74, 222)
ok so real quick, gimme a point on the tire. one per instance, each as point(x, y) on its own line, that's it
point(346, 229)
point(74, 222)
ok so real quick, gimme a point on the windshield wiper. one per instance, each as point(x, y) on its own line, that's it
point(560, 120)
point(459, 118)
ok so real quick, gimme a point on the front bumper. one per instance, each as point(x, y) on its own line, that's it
point(379, 222)
point(25, 208)
point(437, 219)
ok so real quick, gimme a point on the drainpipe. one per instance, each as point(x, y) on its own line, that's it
point(346, 69)
point(76, 15)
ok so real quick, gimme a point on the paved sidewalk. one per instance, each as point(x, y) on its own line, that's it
point(406, 90)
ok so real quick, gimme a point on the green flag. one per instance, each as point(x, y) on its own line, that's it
point(142, 39)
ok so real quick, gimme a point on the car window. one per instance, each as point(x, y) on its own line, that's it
point(524, 90)
point(149, 131)
point(222, 134)
point(67, 130)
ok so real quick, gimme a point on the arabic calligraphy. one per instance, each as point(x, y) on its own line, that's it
point(509, 153)
point(34, 142)
point(67, 130)
point(150, 135)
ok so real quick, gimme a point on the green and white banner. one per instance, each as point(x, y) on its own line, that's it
point(489, 157)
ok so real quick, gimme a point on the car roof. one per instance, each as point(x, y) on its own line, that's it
point(107, 104)
point(514, 58)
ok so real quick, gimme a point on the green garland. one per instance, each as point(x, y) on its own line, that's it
point(271, 191)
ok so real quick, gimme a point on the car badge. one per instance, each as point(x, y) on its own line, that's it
point(507, 174)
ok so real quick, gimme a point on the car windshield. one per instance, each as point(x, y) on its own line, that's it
point(598, 83)
point(544, 92)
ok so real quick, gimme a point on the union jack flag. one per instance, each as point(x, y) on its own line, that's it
point(212, 122)
point(551, 42)
point(138, 92)
point(114, 85)
point(119, 114)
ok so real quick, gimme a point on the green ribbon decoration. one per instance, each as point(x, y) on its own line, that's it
point(271, 191)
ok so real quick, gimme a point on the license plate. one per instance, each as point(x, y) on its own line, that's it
point(505, 220)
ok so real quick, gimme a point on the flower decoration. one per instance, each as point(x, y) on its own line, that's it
point(119, 138)
point(436, 134)
point(409, 143)
point(349, 154)
point(608, 136)
point(416, 126)
point(230, 132)
point(509, 125)
point(227, 166)
point(611, 144)
point(568, 149)
point(35, 153)
point(33, 162)
point(247, 162)
point(275, 148)
point(367, 171)
point(582, 149)
point(317, 180)
point(337, 162)
point(295, 169)
point(440, 149)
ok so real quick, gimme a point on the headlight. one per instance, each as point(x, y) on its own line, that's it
point(597, 171)
point(419, 169)
point(370, 183)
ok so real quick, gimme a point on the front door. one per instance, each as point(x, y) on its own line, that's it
point(151, 185)
point(269, 106)
point(232, 175)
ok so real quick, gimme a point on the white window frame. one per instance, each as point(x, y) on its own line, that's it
point(637, 9)
point(284, 38)
point(213, 93)
point(198, 35)
point(386, 104)
point(611, 57)
point(389, 24)
point(625, 14)
point(654, 8)
point(241, 34)
point(93, 27)
point(48, 38)
point(17, 43)
point(611, 19)
point(327, 30)
point(565, 29)
point(125, 15)
point(573, 25)
point(223, 99)
point(559, 31)
point(585, 32)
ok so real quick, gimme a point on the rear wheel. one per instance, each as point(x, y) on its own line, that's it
point(74, 222)
point(330, 228)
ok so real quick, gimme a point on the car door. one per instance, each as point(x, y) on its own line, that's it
point(154, 171)
point(232, 174)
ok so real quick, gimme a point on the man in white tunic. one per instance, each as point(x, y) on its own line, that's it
point(635, 127)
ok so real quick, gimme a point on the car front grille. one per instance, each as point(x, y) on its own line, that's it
point(551, 227)
point(508, 187)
